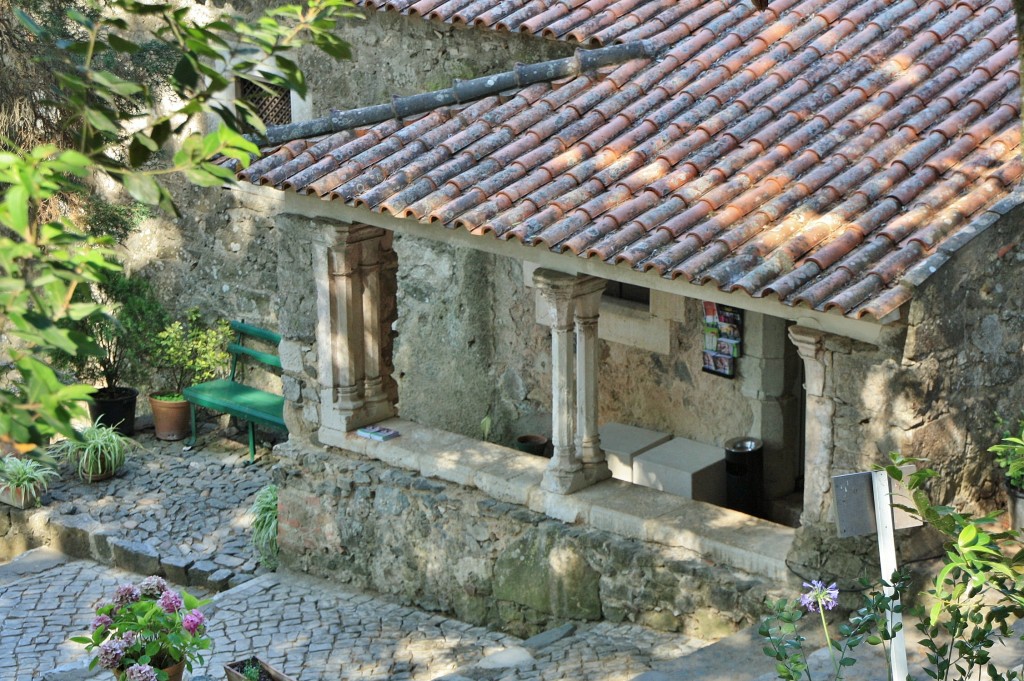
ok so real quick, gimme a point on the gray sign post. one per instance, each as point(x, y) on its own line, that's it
point(863, 503)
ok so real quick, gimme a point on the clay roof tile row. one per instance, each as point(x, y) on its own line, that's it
point(815, 153)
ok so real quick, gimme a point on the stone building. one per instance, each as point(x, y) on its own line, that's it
point(534, 245)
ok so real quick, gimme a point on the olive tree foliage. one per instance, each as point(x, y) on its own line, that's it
point(108, 124)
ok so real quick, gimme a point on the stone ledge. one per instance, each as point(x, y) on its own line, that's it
point(719, 534)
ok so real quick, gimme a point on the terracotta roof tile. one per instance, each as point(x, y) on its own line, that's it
point(815, 152)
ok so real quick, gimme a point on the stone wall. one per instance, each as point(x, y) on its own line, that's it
point(931, 390)
point(444, 547)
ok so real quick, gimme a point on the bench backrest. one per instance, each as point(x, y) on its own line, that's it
point(237, 349)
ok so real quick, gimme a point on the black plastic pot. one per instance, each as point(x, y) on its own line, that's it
point(115, 407)
point(533, 444)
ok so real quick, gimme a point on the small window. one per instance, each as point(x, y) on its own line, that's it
point(628, 292)
point(274, 107)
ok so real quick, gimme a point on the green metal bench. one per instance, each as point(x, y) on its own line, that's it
point(229, 396)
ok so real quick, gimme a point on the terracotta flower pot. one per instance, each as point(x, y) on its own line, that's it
point(174, 673)
point(170, 418)
point(18, 498)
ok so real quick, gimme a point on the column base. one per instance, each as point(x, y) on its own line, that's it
point(564, 482)
point(596, 472)
point(342, 421)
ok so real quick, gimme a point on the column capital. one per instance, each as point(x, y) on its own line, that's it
point(811, 347)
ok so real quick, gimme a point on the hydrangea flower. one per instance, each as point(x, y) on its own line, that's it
point(111, 653)
point(125, 594)
point(171, 601)
point(140, 672)
point(153, 587)
point(192, 621)
point(101, 621)
point(130, 637)
point(820, 595)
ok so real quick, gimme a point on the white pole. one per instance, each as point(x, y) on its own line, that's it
point(887, 557)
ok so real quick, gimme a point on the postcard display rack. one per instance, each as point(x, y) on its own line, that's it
point(723, 339)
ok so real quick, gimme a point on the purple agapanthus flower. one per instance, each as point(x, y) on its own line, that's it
point(101, 621)
point(192, 621)
point(153, 587)
point(171, 601)
point(140, 672)
point(820, 595)
point(125, 594)
point(111, 653)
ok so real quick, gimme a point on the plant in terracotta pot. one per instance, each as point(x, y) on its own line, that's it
point(186, 352)
point(122, 337)
point(148, 632)
point(98, 453)
point(23, 480)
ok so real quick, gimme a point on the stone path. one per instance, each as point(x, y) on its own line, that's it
point(311, 630)
point(188, 506)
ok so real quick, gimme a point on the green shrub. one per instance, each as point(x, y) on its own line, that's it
point(264, 526)
point(98, 450)
point(191, 352)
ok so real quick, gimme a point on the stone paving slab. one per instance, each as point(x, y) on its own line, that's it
point(186, 507)
point(43, 606)
point(313, 630)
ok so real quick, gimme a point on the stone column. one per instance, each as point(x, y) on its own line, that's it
point(588, 441)
point(347, 266)
point(572, 303)
point(818, 432)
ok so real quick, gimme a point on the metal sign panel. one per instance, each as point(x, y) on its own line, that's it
point(855, 506)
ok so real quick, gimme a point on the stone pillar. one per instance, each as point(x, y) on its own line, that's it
point(818, 432)
point(573, 303)
point(775, 412)
point(347, 266)
point(588, 441)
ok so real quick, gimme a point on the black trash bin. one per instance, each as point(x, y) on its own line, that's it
point(744, 475)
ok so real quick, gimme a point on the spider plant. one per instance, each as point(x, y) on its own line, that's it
point(264, 526)
point(24, 478)
point(98, 453)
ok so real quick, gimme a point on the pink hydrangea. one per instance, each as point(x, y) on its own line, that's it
point(101, 621)
point(125, 594)
point(153, 587)
point(192, 621)
point(140, 672)
point(170, 601)
point(111, 653)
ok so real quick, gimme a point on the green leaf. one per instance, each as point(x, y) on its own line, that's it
point(185, 73)
point(122, 44)
point(142, 187)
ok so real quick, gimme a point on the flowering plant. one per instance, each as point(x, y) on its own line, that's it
point(146, 628)
point(786, 646)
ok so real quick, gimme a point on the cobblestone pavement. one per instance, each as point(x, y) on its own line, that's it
point(190, 505)
point(310, 629)
point(43, 606)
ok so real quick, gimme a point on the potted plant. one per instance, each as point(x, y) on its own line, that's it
point(253, 668)
point(22, 480)
point(186, 353)
point(1010, 457)
point(148, 632)
point(98, 453)
point(121, 337)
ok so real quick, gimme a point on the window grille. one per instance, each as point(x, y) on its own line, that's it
point(274, 109)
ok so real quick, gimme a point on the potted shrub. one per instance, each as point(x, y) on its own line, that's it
point(22, 481)
point(253, 669)
point(122, 337)
point(148, 631)
point(1010, 457)
point(98, 453)
point(186, 353)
